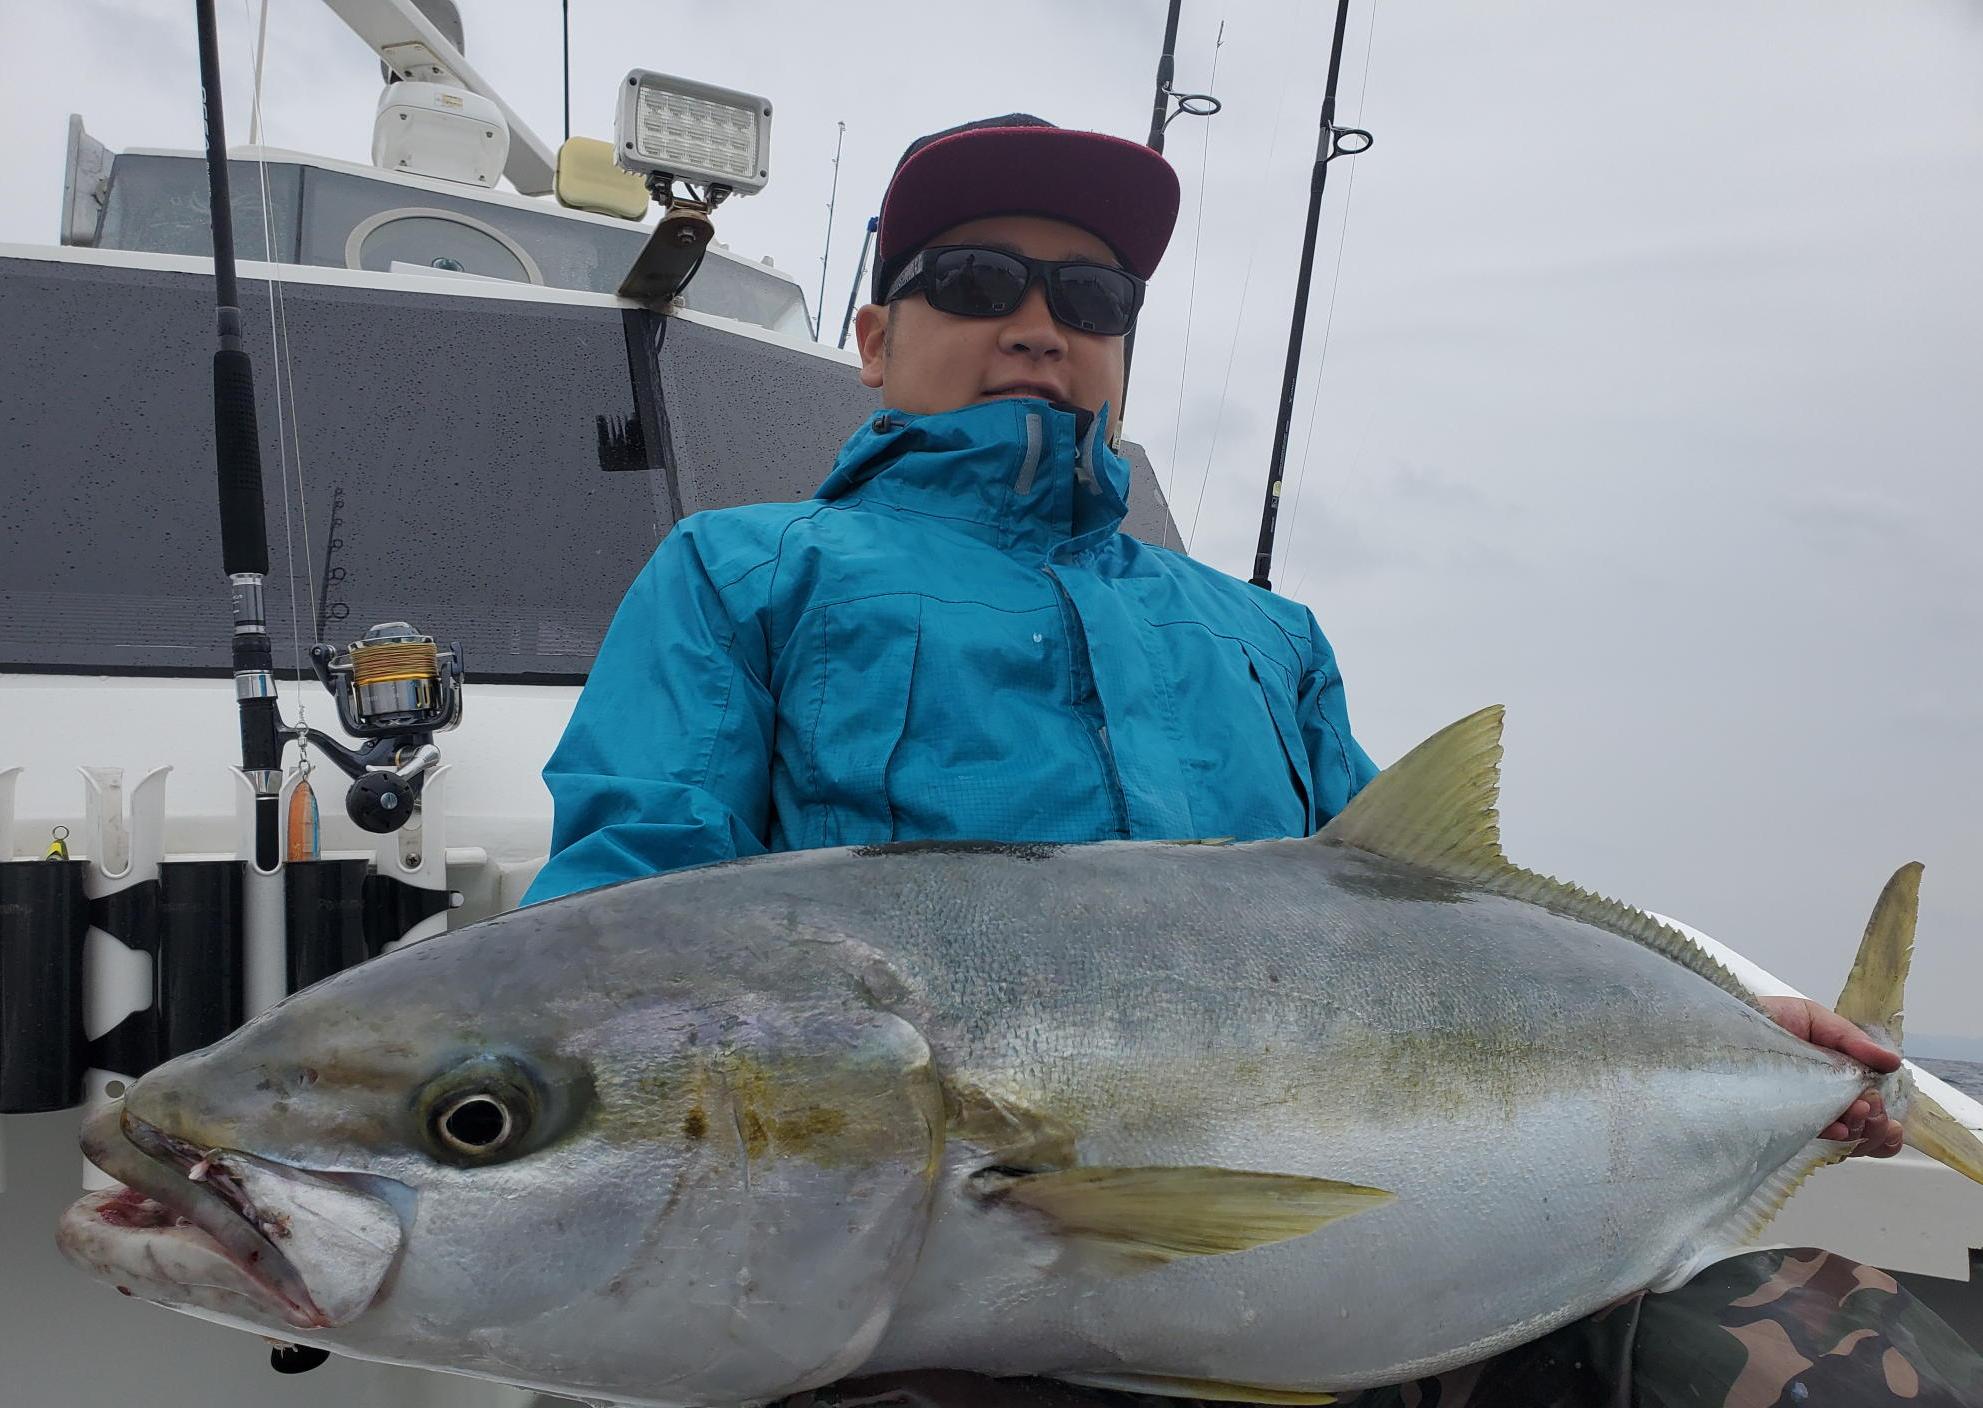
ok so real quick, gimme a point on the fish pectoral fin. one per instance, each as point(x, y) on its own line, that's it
point(1150, 1216)
point(1217, 1390)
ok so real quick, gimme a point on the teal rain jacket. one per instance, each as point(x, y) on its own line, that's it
point(950, 641)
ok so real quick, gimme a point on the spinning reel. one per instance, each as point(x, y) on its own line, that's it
point(396, 689)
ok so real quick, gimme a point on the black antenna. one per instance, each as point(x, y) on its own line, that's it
point(238, 454)
point(566, 4)
point(1331, 142)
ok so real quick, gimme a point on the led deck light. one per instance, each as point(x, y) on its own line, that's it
point(693, 132)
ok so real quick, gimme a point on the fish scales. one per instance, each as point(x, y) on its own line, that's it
point(1311, 1010)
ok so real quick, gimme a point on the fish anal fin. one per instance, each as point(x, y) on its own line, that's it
point(1149, 1216)
point(1873, 994)
point(1215, 1390)
point(1743, 1230)
point(1435, 809)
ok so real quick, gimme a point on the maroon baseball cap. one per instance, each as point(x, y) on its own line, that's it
point(1019, 164)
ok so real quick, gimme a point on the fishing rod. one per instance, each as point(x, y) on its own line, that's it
point(394, 687)
point(819, 304)
point(244, 543)
point(1162, 114)
point(860, 272)
point(1331, 142)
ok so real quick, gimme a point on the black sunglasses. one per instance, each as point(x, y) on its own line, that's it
point(975, 282)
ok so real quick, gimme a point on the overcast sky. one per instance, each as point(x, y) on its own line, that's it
point(1653, 392)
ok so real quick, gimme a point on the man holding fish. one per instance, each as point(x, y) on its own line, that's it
point(953, 641)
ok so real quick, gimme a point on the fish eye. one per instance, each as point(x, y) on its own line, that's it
point(476, 1124)
point(482, 1111)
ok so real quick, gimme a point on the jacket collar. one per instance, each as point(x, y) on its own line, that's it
point(1023, 474)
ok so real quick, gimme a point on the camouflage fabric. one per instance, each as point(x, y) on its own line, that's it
point(1778, 1329)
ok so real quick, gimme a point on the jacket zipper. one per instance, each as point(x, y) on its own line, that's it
point(1088, 701)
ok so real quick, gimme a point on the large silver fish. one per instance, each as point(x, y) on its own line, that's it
point(1254, 1121)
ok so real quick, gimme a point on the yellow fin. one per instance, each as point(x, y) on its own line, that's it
point(1217, 1390)
point(1873, 992)
point(1156, 1215)
point(1743, 1230)
point(1942, 1137)
point(1435, 808)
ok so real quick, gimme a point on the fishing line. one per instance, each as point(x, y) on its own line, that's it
point(1245, 286)
point(1191, 303)
point(285, 404)
point(1328, 326)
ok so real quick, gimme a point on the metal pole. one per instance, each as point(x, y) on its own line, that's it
point(1330, 143)
point(819, 306)
point(566, 5)
point(860, 271)
point(238, 456)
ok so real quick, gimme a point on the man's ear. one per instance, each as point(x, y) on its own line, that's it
point(871, 341)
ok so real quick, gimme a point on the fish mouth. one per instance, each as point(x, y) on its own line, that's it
point(172, 1186)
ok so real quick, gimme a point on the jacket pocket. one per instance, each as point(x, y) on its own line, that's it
point(854, 716)
point(1278, 695)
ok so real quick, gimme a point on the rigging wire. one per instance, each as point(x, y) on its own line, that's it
point(1329, 323)
point(1191, 303)
point(284, 385)
point(1239, 320)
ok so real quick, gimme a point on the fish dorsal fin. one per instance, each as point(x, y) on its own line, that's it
point(1436, 809)
point(1213, 1390)
point(1873, 991)
point(1149, 1216)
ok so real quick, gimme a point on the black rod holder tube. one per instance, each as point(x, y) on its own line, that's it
point(1325, 152)
point(238, 457)
point(199, 973)
point(43, 918)
point(325, 907)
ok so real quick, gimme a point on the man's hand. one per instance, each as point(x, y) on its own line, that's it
point(1866, 1120)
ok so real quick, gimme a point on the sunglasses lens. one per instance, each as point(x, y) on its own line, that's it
point(1094, 298)
point(978, 283)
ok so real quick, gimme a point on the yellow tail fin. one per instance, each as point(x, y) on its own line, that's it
point(1873, 1001)
point(1942, 1137)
